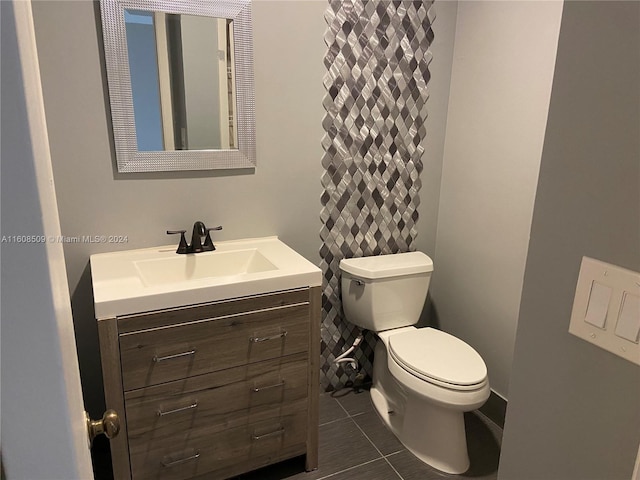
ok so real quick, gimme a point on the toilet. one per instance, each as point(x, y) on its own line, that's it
point(423, 379)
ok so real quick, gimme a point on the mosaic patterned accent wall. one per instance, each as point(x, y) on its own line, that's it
point(377, 73)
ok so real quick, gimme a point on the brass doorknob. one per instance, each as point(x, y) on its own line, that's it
point(109, 425)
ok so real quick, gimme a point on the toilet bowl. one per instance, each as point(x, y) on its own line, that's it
point(428, 408)
point(423, 379)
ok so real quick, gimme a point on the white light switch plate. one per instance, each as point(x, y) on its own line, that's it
point(605, 308)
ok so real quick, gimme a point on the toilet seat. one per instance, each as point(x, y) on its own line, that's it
point(438, 358)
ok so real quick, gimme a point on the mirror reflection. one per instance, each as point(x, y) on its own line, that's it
point(182, 81)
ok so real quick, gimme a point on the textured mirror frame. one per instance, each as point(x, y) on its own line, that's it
point(129, 159)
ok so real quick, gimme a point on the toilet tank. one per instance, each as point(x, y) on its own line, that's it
point(386, 291)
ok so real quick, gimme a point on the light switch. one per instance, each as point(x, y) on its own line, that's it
point(606, 308)
point(628, 326)
point(598, 305)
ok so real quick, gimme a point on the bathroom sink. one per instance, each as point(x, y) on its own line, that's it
point(148, 279)
point(183, 268)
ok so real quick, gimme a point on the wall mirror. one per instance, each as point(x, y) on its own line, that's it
point(181, 88)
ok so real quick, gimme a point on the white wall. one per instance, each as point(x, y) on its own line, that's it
point(503, 67)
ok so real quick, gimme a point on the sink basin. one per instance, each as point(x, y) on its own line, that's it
point(183, 268)
point(135, 281)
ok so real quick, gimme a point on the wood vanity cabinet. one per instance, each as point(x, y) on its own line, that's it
point(214, 390)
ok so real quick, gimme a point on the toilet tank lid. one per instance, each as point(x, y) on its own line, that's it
point(383, 266)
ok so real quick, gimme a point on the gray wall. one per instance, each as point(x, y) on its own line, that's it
point(281, 197)
point(573, 408)
point(503, 64)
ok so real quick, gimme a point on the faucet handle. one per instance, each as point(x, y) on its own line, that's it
point(208, 244)
point(182, 247)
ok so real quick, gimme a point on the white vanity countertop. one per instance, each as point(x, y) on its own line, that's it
point(136, 281)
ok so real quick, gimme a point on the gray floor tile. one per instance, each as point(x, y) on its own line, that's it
point(330, 409)
point(410, 468)
point(289, 469)
point(376, 470)
point(483, 441)
point(476, 420)
point(378, 433)
point(342, 446)
point(354, 402)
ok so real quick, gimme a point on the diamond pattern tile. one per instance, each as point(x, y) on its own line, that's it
point(377, 65)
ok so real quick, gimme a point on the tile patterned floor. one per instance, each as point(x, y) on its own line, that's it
point(356, 445)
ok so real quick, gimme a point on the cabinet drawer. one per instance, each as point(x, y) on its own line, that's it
point(254, 441)
point(218, 400)
point(163, 354)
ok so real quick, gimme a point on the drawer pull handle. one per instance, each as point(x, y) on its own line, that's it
point(176, 355)
point(165, 463)
point(277, 433)
point(177, 410)
point(258, 389)
point(272, 337)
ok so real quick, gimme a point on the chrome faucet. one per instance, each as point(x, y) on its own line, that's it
point(199, 231)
